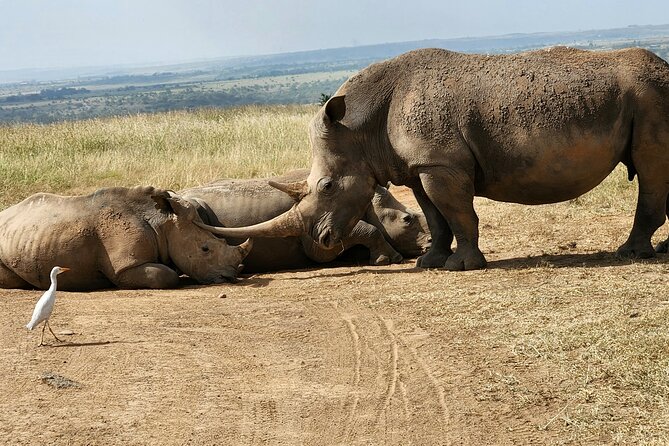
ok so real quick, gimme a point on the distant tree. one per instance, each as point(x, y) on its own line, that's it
point(324, 98)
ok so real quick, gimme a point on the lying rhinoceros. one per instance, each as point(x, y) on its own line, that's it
point(536, 127)
point(130, 238)
point(388, 229)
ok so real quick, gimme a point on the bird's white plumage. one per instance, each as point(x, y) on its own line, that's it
point(43, 308)
point(44, 305)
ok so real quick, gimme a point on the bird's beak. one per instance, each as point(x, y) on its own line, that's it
point(64, 270)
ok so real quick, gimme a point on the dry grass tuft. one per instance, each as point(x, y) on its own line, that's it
point(174, 150)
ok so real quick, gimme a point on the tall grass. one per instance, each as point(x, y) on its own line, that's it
point(181, 149)
point(174, 150)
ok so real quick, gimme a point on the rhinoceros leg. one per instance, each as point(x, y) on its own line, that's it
point(650, 155)
point(663, 247)
point(365, 234)
point(148, 275)
point(9, 279)
point(380, 251)
point(442, 236)
point(649, 216)
point(452, 192)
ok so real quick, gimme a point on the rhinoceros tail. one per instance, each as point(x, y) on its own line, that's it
point(627, 154)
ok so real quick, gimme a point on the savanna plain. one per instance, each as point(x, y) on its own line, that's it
point(556, 342)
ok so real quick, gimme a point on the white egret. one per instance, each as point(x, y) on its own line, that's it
point(44, 305)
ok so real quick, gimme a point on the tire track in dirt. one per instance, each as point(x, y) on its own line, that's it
point(392, 370)
point(438, 389)
point(288, 371)
point(368, 386)
point(405, 399)
point(386, 396)
point(353, 396)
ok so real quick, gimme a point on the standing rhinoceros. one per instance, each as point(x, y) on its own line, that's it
point(535, 127)
point(388, 229)
point(130, 238)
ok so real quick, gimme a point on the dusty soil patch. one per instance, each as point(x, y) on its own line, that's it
point(556, 342)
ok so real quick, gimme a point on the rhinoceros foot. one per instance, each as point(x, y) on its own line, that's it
point(433, 259)
point(385, 258)
point(636, 251)
point(380, 260)
point(662, 248)
point(465, 261)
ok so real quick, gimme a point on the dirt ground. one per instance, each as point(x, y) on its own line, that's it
point(557, 342)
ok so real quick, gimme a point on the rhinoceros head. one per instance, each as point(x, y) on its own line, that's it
point(404, 228)
point(196, 251)
point(337, 192)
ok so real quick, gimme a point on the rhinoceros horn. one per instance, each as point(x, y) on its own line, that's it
point(288, 224)
point(296, 190)
point(245, 248)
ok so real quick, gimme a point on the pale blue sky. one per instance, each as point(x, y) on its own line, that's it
point(66, 33)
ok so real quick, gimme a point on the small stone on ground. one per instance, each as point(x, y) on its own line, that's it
point(58, 381)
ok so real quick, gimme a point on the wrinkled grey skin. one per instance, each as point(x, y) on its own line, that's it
point(129, 238)
point(536, 127)
point(388, 229)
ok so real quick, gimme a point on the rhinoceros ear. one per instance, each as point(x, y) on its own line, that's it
point(161, 197)
point(182, 208)
point(296, 190)
point(335, 108)
point(173, 204)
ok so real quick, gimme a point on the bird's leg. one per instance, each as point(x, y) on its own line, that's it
point(54, 334)
point(41, 341)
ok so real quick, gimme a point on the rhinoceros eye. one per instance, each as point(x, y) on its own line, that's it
point(326, 185)
point(205, 248)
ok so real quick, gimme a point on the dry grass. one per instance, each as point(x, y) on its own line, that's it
point(182, 149)
point(565, 343)
point(174, 150)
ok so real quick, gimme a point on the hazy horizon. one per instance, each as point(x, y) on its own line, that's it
point(39, 34)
